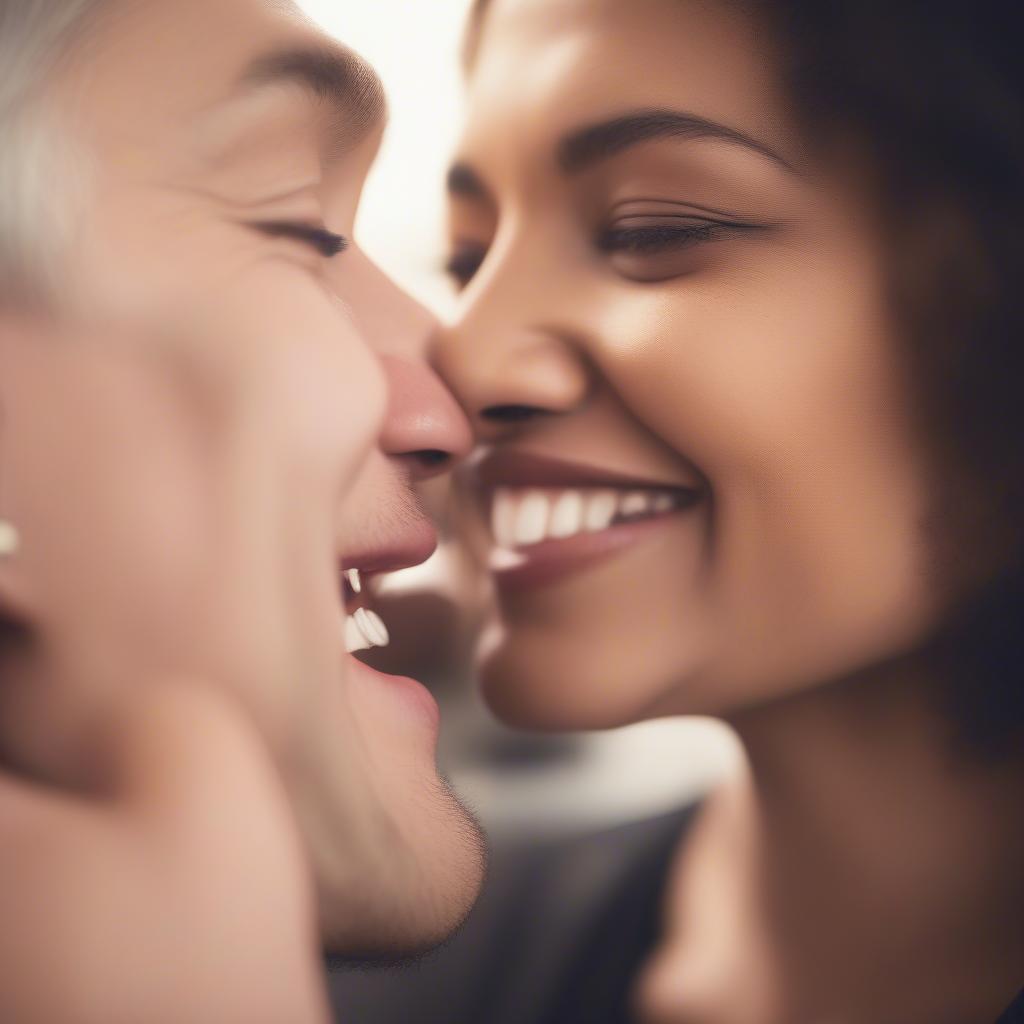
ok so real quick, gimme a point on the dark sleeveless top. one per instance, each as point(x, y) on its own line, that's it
point(1014, 1014)
point(558, 937)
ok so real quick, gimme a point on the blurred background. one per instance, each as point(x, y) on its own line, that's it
point(414, 45)
point(517, 783)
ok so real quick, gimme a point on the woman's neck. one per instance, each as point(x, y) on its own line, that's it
point(868, 869)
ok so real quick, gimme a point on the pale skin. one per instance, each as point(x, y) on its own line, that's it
point(227, 407)
point(174, 888)
point(857, 870)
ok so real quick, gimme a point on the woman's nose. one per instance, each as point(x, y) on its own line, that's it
point(509, 377)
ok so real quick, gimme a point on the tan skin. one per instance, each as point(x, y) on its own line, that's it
point(221, 413)
point(703, 309)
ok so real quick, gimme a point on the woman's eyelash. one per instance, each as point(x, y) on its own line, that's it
point(325, 242)
point(648, 239)
point(657, 237)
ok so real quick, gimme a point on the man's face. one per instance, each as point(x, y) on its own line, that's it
point(201, 441)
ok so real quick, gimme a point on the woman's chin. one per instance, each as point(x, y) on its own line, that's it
point(550, 701)
point(549, 680)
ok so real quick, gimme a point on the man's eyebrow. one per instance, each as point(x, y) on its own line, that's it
point(333, 75)
point(596, 142)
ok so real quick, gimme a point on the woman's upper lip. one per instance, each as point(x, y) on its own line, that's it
point(511, 468)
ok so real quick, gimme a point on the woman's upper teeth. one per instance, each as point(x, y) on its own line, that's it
point(522, 516)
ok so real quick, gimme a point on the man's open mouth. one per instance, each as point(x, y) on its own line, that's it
point(412, 542)
point(364, 628)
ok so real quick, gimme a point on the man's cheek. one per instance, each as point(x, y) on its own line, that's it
point(108, 474)
point(300, 379)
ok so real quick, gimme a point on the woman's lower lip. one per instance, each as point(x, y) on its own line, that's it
point(412, 693)
point(551, 561)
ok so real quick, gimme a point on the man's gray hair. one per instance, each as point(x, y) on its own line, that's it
point(37, 172)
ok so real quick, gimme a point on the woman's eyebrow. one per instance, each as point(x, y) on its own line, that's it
point(584, 147)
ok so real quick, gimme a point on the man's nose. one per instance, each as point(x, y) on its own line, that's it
point(425, 430)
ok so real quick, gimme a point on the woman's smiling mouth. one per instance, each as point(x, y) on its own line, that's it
point(549, 517)
point(522, 517)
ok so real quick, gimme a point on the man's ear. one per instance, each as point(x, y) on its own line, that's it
point(17, 617)
point(15, 589)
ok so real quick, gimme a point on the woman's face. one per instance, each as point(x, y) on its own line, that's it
point(698, 457)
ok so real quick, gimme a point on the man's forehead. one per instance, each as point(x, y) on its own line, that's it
point(156, 68)
point(329, 74)
point(291, 51)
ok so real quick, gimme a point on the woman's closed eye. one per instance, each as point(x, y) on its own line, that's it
point(651, 248)
point(642, 248)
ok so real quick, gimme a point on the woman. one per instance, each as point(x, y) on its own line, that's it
point(740, 331)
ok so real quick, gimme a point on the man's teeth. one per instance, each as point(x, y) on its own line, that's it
point(354, 580)
point(524, 516)
point(364, 629)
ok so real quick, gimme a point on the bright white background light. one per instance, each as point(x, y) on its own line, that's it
point(414, 45)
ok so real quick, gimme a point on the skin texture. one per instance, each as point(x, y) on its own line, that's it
point(758, 362)
point(762, 361)
point(216, 420)
point(151, 843)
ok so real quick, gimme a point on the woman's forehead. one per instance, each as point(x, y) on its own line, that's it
point(550, 68)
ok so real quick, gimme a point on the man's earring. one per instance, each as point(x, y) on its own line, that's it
point(9, 539)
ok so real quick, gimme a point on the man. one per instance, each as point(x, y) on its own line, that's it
point(197, 447)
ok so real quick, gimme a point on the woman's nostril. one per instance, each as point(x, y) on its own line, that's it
point(511, 413)
point(425, 463)
point(432, 458)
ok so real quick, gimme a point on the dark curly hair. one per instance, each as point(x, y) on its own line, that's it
point(927, 97)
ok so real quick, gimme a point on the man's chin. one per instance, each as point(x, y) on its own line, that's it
point(407, 904)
